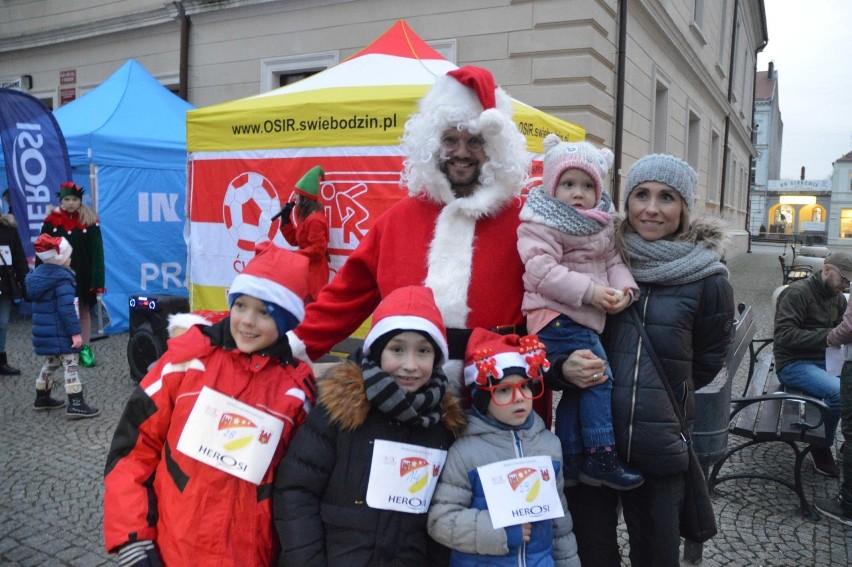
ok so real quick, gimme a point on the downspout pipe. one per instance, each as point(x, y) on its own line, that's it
point(618, 139)
point(183, 80)
point(752, 158)
point(725, 150)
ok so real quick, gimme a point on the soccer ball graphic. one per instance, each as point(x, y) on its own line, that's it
point(249, 205)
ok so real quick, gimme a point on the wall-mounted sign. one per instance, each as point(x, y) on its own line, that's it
point(801, 184)
point(68, 77)
point(67, 95)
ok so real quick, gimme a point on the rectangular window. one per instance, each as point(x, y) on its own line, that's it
point(845, 223)
point(661, 117)
point(714, 167)
point(693, 140)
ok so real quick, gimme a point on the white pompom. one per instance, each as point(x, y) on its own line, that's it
point(491, 122)
point(550, 142)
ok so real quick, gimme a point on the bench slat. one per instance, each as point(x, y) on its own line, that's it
point(744, 421)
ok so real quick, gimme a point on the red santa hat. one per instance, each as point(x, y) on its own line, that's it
point(410, 308)
point(490, 357)
point(279, 278)
point(52, 249)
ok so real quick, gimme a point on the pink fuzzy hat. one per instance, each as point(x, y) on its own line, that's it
point(561, 156)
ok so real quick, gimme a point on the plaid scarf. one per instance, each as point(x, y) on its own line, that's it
point(421, 408)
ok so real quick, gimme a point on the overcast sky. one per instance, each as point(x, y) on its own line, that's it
point(810, 42)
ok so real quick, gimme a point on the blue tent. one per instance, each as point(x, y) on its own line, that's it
point(127, 142)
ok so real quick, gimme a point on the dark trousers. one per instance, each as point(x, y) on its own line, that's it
point(846, 430)
point(651, 513)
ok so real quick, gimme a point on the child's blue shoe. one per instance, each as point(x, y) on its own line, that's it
point(602, 467)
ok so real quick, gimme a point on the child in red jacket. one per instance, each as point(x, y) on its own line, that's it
point(188, 479)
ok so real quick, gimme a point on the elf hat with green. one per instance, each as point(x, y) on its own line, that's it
point(308, 185)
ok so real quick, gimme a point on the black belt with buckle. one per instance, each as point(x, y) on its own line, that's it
point(457, 338)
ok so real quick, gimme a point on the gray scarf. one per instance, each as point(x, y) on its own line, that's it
point(671, 262)
point(550, 211)
point(421, 408)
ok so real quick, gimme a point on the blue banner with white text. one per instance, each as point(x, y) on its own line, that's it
point(36, 160)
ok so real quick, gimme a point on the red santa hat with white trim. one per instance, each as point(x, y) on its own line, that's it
point(410, 308)
point(279, 278)
point(52, 249)
point(490, 357)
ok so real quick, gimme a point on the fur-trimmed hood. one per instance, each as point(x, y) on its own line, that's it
point(341, 391)
point(8, 220)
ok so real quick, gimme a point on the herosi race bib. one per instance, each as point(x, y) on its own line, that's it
point(403, 477)
point(231, 436)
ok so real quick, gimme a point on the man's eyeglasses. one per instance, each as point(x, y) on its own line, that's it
point(505, 394)
point(473, 143)
point(843, 278)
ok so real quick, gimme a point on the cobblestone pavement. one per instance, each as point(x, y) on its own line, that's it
point(51, 489)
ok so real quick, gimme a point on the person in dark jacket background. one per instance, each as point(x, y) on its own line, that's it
point(686, 304)
point(805, 313)
point(13, 271)
point(394, 395)
point(79, 224)
point(56, 326)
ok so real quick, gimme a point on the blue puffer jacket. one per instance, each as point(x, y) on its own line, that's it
point(53, 289)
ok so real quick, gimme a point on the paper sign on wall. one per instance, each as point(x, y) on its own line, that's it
point(403, 477)
point(231, 436)
point(520, 491)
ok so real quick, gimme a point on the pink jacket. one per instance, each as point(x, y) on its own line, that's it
point(842, 333)
point(561, 270)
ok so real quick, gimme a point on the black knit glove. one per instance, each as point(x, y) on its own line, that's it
point(139, 554)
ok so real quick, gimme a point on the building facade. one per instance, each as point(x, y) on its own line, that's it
point(677, 77)
point(840, 215)
point(768, 133)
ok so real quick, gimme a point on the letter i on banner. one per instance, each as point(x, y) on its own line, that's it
point(36, 160)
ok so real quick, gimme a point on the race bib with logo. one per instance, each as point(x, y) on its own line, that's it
point(403, 477)
point(231, 436)
point(520, 491)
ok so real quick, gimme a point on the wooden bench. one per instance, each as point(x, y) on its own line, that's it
point(770, 412)
point(713, 401)
point(713, 408)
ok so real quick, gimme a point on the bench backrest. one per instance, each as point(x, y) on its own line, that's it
point(713, 401)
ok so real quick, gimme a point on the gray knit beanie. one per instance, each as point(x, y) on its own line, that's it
point(664, 168)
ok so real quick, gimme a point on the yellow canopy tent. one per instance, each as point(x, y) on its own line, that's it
point(246, 155)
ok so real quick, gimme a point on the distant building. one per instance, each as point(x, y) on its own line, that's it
point(840, 217)
point(797, 210)
point(767, 136)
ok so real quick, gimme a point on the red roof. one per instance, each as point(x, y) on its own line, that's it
point(764, 87)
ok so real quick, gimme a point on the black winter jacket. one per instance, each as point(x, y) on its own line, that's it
point(805, 314)
point(319, 503)
point(18, 268)
point(690, 328)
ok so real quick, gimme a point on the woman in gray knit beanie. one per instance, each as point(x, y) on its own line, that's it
point(687, 308)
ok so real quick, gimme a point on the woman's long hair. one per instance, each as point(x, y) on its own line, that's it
point(88, 216)
point(307, 207)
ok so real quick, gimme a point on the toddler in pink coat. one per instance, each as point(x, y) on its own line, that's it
point(573, 278)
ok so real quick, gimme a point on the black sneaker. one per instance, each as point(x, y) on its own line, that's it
point(834, 508)
point(823, 462)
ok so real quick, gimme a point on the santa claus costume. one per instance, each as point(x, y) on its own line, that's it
point(463, 247)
